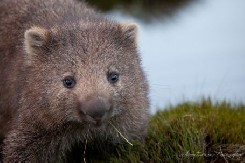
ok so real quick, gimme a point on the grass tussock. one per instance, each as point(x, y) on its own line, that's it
point(178, 132)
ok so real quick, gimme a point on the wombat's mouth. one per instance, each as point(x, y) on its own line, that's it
point(96, 121)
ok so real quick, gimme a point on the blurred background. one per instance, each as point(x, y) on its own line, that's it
point(190, 48)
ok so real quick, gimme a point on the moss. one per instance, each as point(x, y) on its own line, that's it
point(178, 132)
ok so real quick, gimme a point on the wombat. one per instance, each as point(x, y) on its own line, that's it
point(68, 75)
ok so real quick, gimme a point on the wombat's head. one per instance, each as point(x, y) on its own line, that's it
point(88, 74)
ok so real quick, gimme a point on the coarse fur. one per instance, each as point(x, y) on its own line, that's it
point(42, 42)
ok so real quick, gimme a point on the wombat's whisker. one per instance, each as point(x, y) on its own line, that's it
point(121, 134)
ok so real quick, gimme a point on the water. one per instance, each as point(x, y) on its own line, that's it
point(199, 52)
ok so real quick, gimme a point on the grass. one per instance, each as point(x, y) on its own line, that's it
point(178, 133)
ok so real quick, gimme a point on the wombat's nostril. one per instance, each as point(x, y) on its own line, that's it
point(96, 107)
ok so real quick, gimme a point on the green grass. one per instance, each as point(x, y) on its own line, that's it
point(179, 131)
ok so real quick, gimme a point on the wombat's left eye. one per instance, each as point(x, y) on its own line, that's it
point(69, 82)
point(113, 77)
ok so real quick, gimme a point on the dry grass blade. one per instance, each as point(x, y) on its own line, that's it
point(121, 134)
point(84, 152)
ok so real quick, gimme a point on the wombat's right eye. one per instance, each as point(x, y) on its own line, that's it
point(113, 77)
point(69, 82)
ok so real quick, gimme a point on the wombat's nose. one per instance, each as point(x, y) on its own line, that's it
point(96, 107)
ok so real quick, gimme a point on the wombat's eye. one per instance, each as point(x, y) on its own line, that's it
point(113, 77)
point(69, 82)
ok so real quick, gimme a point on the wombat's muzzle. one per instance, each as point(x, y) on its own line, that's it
point(96, 108)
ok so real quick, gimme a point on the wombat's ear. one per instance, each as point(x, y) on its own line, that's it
point(35, 40)
point(130, 30)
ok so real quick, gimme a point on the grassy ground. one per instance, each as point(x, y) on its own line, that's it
point(187, 132)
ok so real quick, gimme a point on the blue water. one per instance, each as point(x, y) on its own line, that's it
point(198, 52)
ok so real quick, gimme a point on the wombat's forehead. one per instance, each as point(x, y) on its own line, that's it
point(85, 40)
point(77, 42)
point(97, 43)
point(84, 29)
point(88, 50)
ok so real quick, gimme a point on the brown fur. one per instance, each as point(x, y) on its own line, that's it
point(41, 42)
